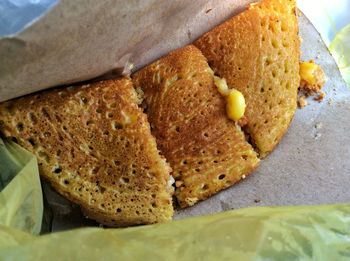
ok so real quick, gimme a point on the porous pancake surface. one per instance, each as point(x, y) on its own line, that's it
point(257, 52)
point(207, 151)
point(94, 145)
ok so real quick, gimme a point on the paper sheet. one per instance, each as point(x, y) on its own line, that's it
point(83, 39)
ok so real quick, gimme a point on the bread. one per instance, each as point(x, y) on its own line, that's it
point(95, 147)
point(257, 52)
point(207, 151)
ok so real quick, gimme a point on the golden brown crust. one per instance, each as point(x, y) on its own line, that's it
point(94, 145)
point(257, 52)
point(205, 149)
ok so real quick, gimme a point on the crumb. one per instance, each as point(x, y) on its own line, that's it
point(312, 79)
point(317, 136)
point(257, 200)
point(191, 201)
point(320, 96)
point(208, 10)
point(178, 183)
point(318, 125)
point(243, 177)
point(302, 102)
point(243, 121)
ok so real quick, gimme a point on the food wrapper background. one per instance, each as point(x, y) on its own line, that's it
point(310, 166)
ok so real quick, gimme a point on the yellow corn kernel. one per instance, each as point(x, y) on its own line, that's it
point(308, 72)
point(221, 84)
point(235, 105)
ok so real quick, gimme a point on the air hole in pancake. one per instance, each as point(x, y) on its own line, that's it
point(109, 115)
point(184, 162)
point(154, 204)
point(244, 157)
point(221, 177)
point(58, 153)
point(215, 161)
point(44, 156)
point(117, 126)
point(197, 170)
point(64, 128)
point(205, 187)
point(268, 61)
point(57, 169)
point(84, 100)
point(89, 122)
point(58, 118)
point(32, 118)
point(274, 43)
point(95, 170)
point(285, 44)
point(274, 74)
point(106, 133)
point(125, 180)
point(102, 190)
point(98, 110)
point(45, 113)
point(205, 134)
point(32, 142)
point(66, 182)
point(177, 129)
point(284, 27)
point(20, 126)
point(288, 85)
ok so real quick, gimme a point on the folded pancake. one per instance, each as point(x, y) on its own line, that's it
point(207, 151)
point(257, 52)
point(94, 145)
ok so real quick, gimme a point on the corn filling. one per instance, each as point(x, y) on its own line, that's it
point(235, 102)
point(311, 73)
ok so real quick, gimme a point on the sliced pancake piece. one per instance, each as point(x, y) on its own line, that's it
point(257, 52)
point(95, 146)
point(207, 151)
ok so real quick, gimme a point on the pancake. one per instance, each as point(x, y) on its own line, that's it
point(207, 151)
point(257, 52)
point(94, 145)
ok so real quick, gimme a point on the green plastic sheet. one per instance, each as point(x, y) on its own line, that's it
point(340, 49)
point(21, 204)
point(265, 233)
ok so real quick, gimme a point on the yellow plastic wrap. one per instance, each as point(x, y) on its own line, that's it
point(21, 204)
point(281, 233)
point(285, 233)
